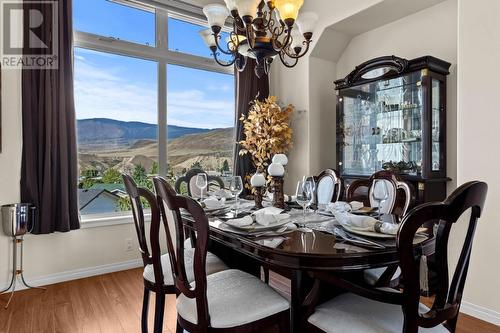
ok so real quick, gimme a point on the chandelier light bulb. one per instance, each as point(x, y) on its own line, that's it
point(208, 37)
point(289, 9)
point(216, 14)
point(231, 5)
point(247, 7)
point(307, 22)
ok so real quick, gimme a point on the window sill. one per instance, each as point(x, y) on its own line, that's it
point(106, 220)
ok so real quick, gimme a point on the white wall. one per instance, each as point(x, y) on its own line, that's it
point(46, 255)
point(478, 128)
point(432, 31)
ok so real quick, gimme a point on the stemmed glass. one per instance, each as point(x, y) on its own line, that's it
point(201, 183)
point(305, 195)
point(380, 193)
point(235, 187)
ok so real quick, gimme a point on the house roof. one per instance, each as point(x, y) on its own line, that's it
point(86, 196)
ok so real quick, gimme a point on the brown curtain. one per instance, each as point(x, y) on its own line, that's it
point(49, 160)
point(248, 87)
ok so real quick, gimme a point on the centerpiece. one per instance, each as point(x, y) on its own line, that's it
point(267, 132)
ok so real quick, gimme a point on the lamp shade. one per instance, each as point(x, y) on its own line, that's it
point(216, 14)
point(289, 9)
point(247, 7)
point(307, 22)
point(231, 4)
point(208, 38)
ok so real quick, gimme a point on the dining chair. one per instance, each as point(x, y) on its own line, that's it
point(329, 187)
point(389, 311)
point(401, 195)
point(189, 181)
point(156, 266)
point(227, 301)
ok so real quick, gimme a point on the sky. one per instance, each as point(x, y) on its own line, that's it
point(125, 88)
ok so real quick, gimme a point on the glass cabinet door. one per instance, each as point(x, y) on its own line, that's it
point(380, 125)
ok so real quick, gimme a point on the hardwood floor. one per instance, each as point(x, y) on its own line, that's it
point(112, 303)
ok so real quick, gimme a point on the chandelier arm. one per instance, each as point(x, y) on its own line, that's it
point(284, 62)
point(217, 37)
point(297, 56)
point(285, 44)
point(224, 64)
point(240, 62)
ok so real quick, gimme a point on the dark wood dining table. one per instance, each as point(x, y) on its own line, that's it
point(298, 253)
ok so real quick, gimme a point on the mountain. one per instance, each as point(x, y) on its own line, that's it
point(97, 131)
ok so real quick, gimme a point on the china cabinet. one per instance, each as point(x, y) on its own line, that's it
point(391, 114)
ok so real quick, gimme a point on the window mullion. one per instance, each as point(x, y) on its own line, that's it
point(162, 43)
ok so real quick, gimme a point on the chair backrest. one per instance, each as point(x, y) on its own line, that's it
point(446, 305)
point(401, 195)
point(175, 203)
point(136, 195)
point(190, 180)
point(329, 187)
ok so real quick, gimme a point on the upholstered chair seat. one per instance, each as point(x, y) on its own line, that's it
point(373, 275)
point(234, 298)
point(353, 313)
point(214, 265)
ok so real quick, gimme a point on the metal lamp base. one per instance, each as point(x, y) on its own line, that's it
point(16, 271)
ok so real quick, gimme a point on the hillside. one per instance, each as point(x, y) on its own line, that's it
point(209, 148)
point(103, 133)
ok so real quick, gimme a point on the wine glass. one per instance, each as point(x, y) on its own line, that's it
point(201, 183)
point(235, 187)
point(305, 195)
point(380, 193)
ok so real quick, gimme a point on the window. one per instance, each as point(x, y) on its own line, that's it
point(110, 19)
point(202, 103)
point(127, 120)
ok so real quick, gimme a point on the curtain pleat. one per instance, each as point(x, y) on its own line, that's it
point(49, 171)
point(248, 87)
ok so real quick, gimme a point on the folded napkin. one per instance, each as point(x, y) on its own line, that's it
point(264, 216)
point(213, 203)
point(343, 206)
point(365, 223)
point(222, 193)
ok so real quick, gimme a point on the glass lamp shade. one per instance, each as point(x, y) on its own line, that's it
point(289, 9)
point(307, 22)
point(247, 7)
point(208, 38)
point(297, 38)
point(216, 14)
point(231, 5)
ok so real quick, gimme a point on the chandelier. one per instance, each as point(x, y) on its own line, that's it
point(262, 30)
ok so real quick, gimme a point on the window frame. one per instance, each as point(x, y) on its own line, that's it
point(162, 56)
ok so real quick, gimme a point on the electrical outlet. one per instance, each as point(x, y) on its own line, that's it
point(129, 246)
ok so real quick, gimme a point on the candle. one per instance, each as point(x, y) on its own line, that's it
point(276, 170)
point(258, 180)
point(281, 159)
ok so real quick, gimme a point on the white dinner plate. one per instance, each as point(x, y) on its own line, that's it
point(376, 234)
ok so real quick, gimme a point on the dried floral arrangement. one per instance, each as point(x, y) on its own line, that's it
point(267, 131)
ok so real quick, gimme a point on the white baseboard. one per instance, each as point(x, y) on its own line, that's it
point(77, 274)
point(480, 312)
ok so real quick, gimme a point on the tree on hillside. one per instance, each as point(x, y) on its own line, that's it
point(111, 176)
point(154, 168)
point(225, 166)
point(196, 165)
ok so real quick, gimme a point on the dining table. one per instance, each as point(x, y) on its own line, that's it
point(299, 252)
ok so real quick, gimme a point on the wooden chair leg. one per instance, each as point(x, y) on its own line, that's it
point(284, 323)
point(145, 308)
point(179, 328)
point(159, 311)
